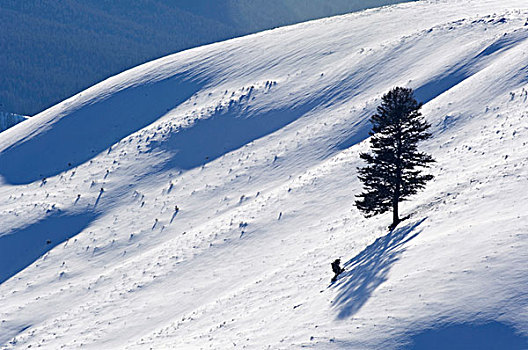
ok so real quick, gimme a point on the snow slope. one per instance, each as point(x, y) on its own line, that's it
point(257, 141)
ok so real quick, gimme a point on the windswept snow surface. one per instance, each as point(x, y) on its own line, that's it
point(257, 141)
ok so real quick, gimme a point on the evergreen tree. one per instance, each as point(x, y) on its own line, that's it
point(393, 170)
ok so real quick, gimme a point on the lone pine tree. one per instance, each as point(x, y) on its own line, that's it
point(393, 170)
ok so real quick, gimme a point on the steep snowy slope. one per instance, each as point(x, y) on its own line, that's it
point(256, 141)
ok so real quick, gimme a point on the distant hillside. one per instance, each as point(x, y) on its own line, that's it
point(50, 50)
point(7, 120)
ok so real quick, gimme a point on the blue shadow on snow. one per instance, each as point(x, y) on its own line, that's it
point(21, 247)
point(458, 74)
point(487, 336)
point(435, 88)
point(88, 131)
point(225, 131)
point(369, 269)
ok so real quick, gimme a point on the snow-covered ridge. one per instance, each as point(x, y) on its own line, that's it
point(256, 140)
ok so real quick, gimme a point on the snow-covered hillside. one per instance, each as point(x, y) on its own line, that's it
point(256, 140)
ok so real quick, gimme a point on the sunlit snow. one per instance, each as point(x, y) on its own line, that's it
point(256, 140)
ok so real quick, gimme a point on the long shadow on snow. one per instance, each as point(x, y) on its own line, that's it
point(88, 131)
point(457, 74)
point(368, 270)
point(486, 336)
point(425, 93)
point(21, 247)
point(435, 88)
point(226, 131)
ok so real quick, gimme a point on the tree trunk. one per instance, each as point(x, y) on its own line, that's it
point(395, 214)
point(396, 195)
point(395, 201)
